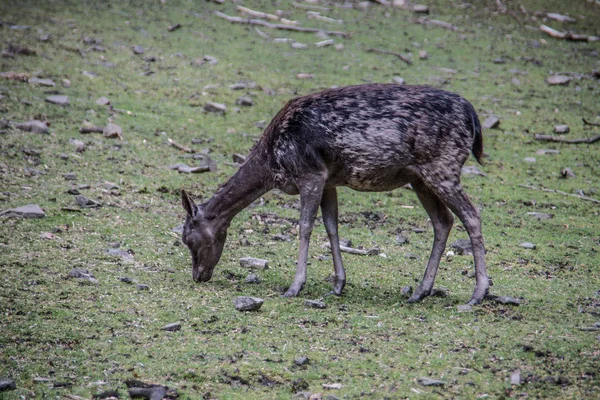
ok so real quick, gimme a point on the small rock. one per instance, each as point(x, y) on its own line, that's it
point(301, 361)
point(515, 81)
point(34, 126)
point(173, 27)
point(246, 303)
point(28, 211)
point(47, 236)
point(89, 74)
point(244, 101)
point(315, 304)
point(70, 176)
point(567, 173)
point(472, 170)
point(252, 278)
point(250, 262)
point(540, 216)
point(103, 101)
point(85, 202)
point(505, 299)
point(281, 238)
point(515, 377)
point(210, 60)
point(325, 43)
point(238, 158)
point(562, 129)
point(60, 100)
point(143, 286)
point(423, 55)
point(120, 253)
point(112, 131)
point(298, 45)
point(213, 107)
point(406, 290)
point(491, 122)
point(7, 384)
point(138, 49)
point(345, 242)
point(430, 382)
point(530, 160)
point(83, 274)
point(464, 308)
point(542, 152)
point(175, 326)
point(66, 83)
point(398, 80)
point(110, 186)
point(303, 75)
point(559, 80)
point(527, 245)
point(411, 256)
point(79, 145)
point(126, 279)
point(401, 239)
point(462, 247)
point(44, 38)
point(334, 386)
point(440, 291)
point(42, 82)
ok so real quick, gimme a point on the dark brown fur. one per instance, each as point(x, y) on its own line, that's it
point(373, 137)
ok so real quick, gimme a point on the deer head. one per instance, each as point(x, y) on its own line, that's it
point(204, 237)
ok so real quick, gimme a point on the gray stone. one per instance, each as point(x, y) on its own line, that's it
point(126, 279)
point(406, 290)
point(175, 326)
point(41, 82)
point(70, 176)
point(505, 299)
point(7, 384)
point(238, 158)
point(301, 361)
point(138, 49)
point(401, 239)
point(491, 122)
point(103, 101)
point(540, 216)
point(83, 274)
point(527, 245)
point(213, 107)
point(464, 308)
point(252, 278)
point(281, 238)
point(143, 286)
point(430, 382)
point(515, 377)
point(244, 101)
point(255, 263)
point(315, 304)
point(472, 170)
point(398, 80)
point(120, 253)
point(246, 303)
point(238, 86)
point(462, 247)
point(543, 152)
point(530, 160)
point(559, 80)
point(85, 202)
point(112, 130)
point(567, 173)
point(34, 126)
point(440, 291)
point(60, 100)
point(28, 211)
point(562, 129)
point(411, 256)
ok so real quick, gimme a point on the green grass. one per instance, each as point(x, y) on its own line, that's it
point(369, 340)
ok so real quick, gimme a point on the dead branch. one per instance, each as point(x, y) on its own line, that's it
point(586, 122)
point(561, 192)
point(370, 252)
point(568, 35)
point(552, 32)
point(317, 15)
point(277, 26)
point(259, 14)
point(262, 34)
point(180, 146)
point(550, 138)
point(310, 7)
point(438, 23)
point(400, 56)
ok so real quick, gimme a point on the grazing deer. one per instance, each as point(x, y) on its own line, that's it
point(372, 138)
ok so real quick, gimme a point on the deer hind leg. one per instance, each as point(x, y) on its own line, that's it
point(442, 220)
point(311, 191)
point(329, 210)
point(452, 194)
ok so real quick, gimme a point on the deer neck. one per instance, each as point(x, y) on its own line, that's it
point(250, 182)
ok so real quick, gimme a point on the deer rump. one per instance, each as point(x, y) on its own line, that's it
point(374, 137)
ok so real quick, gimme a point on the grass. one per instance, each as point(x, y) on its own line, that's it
point(371, 341)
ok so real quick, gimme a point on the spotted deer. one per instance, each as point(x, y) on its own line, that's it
point(371, 138)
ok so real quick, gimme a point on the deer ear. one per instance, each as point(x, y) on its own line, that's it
point(188, 204)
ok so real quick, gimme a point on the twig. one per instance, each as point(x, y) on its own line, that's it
point(316, 15)
point(550, 138)
point(586, 122)
point(180, 146)
point(371, 252)
point(277, 26)
point(259, 14)
point(400, 56)
point(568, 35)
point(561, 192)
point(310, 7)
point(262, 34)
point(435, 22)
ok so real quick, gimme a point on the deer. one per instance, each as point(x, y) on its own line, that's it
point(370, 138)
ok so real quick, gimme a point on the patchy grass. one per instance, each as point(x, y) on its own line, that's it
point(93, 337)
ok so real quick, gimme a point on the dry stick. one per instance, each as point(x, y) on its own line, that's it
point(259, 14)
point(561, 192)
point(277, 26)
point(316, 15)
point(370, 252)
point(179, 146)
point(310, 7)
point(438, 23)
point(400, 56)
point(550, 138)
point(586, 122)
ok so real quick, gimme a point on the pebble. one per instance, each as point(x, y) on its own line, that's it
point(406, 290)
point(112, 131)
point(103, 101)
point(34, 126)
point(567, 173)
point(423, 55)
point(559, 80)
point(462, 247)
point(491, 122)
point(562, 129)
point(246, 303)
point(126, 279)
point(527, 245)
point(244, 101)
point(85, 202)
point(175, 326)
point(464, 308)
point(60, 100)
point(530, 160)
point(398, 80)
point(143, 286)
point(213, 107)
point(543, 152)
point(28, 211)
point(401, 239)
point(540, 216)
point(250, 262)
point(440, 292)
point(515, 377)
point(430, 382)
point(7, 384)
point(472, 170)
point(70, 176)
point(138, 49)
point(83, 274)
point(315, 304)
point(252, 278)
point(300, 361)
point(41, 82)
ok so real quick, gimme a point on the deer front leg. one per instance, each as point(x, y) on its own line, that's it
point(310, 197)
point(329, 210)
